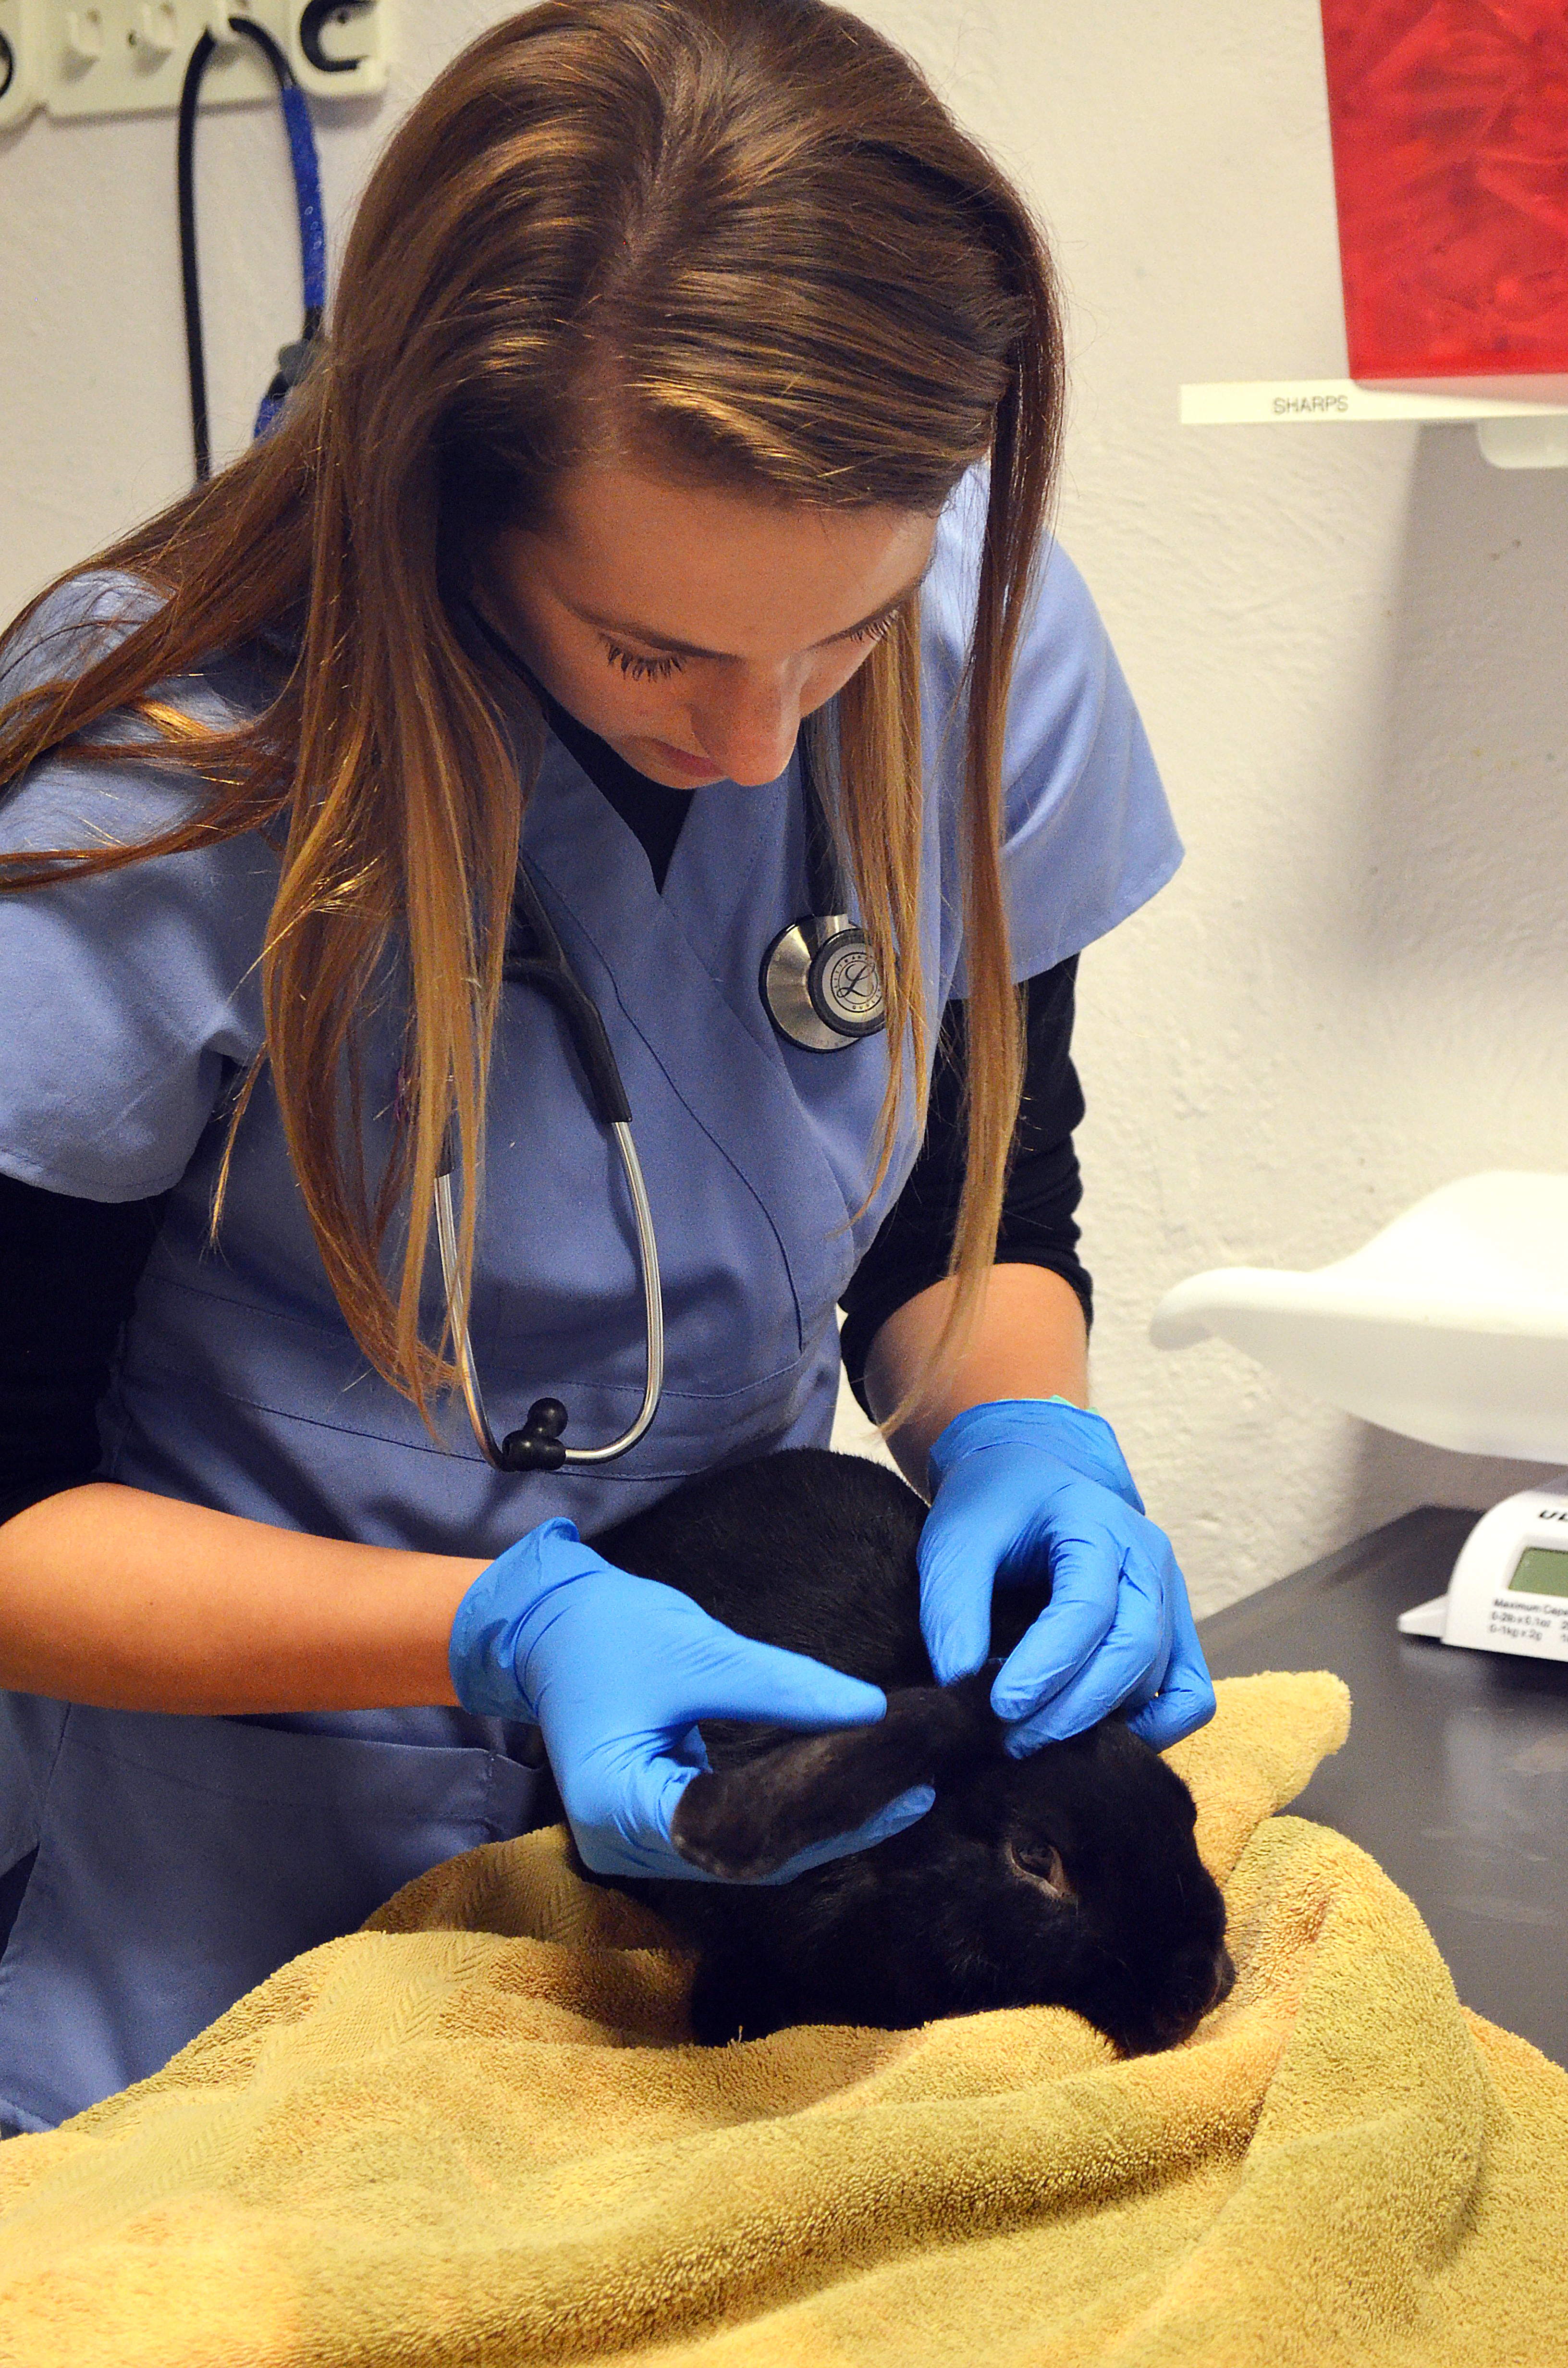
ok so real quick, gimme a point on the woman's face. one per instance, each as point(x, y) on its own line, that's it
point(692, 629)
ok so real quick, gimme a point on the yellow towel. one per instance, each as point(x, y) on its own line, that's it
point(474, 2133)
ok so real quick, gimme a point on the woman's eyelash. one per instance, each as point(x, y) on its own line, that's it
point(641, 669)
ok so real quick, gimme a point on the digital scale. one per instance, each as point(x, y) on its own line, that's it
point(1510, 1589)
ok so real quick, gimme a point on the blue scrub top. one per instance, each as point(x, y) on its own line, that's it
point(134, 1005)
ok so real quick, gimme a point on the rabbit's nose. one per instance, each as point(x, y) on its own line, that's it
point(1200, 1979)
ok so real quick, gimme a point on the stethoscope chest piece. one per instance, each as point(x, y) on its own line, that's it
point(821, 984)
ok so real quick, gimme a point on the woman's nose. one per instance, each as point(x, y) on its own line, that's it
point(750, 728)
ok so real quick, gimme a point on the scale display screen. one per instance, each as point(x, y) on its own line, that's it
point(1540, 1570)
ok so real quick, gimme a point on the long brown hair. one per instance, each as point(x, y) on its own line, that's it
point(740, 235)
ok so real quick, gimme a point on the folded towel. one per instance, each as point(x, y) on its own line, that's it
point(475, 2132)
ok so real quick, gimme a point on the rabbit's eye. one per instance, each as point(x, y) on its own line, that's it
point(1040, 1862)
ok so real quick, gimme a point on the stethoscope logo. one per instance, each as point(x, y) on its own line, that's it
point(851, 983)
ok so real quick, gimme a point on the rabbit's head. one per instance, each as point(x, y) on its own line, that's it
point(1066, 1878)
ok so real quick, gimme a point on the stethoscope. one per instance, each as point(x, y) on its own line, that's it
point(820, 984)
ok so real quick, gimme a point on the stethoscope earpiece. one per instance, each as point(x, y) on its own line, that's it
point(821, 984)
point(539, 1446)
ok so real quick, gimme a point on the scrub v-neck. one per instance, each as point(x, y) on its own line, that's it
point(654, 813)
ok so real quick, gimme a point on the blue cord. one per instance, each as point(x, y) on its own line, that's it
point(293, 360)
point(307, 190)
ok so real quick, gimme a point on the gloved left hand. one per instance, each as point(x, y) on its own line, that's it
point(1034, 1488)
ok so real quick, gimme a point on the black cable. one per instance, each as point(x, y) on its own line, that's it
point(189, 92)
point(268, 47)
point(292, 358)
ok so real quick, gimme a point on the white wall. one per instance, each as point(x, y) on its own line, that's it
point(1347, 643)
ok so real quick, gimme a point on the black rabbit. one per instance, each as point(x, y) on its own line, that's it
point(1069, 1878)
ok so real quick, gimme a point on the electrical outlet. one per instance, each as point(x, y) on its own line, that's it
point(129, 57)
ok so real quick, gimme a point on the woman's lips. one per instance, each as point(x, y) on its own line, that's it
point(685, 761)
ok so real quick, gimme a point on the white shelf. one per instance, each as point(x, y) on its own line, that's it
point(1512, 433)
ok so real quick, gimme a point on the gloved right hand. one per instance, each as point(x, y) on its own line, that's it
point(617, 1670)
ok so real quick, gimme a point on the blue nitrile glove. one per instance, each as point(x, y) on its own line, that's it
point(617, 1670)
point(1028, 1488)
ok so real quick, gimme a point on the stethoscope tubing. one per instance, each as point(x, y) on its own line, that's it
point(653, 1309)
point(798, 986)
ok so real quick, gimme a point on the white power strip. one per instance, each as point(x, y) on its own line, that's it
point(129, 57)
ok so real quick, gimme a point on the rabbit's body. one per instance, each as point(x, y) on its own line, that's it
point(1066, 1878)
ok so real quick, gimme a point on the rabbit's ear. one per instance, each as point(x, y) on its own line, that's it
point(744, 1822)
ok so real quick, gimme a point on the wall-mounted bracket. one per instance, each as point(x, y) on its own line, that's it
point(129, 57)
point(1512, 434)
point(20, 49)
point(1516, 442)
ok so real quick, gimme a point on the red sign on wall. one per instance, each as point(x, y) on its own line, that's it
point(1451, 164)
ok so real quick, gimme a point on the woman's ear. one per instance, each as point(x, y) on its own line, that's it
point(742, 1823)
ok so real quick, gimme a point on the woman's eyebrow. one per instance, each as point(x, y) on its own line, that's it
point(693, 650)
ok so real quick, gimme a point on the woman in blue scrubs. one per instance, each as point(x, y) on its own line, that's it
point(693, 381)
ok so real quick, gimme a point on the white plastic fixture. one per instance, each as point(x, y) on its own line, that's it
point(1450, 1326)
point(1522, 443)
point(128, 57)
point(19, 58)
